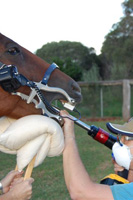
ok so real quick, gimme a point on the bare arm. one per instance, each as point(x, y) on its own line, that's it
point(78, 181)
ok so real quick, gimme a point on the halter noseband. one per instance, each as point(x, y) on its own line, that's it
point(48, 72)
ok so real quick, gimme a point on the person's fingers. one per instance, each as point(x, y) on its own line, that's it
point(19, 174)
point(64, 113)
point(6, 181)
point(14, 173)
point(16, 181)
point(117, 168)
point(29, 197)
point(30, 180)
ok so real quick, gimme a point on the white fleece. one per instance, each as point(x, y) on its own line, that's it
point(29, 136)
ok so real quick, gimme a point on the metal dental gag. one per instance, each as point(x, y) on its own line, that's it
point(11, 80)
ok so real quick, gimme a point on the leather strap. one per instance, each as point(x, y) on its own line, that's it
point(48, 72)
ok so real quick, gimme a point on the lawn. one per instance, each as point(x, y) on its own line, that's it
point(49, 181)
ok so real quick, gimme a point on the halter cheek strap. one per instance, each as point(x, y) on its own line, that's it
point(48, 72)
point(1, 65)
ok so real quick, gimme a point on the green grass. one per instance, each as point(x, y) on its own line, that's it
point(112, 101)
point(49, 180)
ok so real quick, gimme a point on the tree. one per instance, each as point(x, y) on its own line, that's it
point(72, 57)
point(69, 68)
point(118, 46)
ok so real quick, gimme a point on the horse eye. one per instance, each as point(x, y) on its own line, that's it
point(13, 51)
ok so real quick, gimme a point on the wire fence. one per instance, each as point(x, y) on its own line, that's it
point(107, 99)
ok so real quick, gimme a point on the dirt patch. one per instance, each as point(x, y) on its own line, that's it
point(98, 119)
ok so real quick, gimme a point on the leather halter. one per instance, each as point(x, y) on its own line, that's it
point(48, 72)
point(11, 80)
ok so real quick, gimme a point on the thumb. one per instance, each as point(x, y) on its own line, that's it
point(14, 173)
point(30, 180)
point(11, 175)
point(9, 178)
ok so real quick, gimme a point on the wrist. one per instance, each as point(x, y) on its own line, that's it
point(69, 140)
point(69, 137)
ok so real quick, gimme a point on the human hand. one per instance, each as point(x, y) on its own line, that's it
point(21, 190)
point(16, 181)
point(117, 168)
point(6, 181)
point(68, 127)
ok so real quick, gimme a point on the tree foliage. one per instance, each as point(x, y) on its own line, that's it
point(69, 68)
point(118, 46)
point(82, 63)
point(72, 57)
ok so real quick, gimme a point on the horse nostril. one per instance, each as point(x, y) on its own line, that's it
point(75, 87)
point(76, 91)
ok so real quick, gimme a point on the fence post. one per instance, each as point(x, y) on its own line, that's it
point(126, 100)
point(101, 101)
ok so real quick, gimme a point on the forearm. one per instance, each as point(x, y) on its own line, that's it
point(76, 177)
point(78, 181)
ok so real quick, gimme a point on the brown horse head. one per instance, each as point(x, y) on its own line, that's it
point(33, 68)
